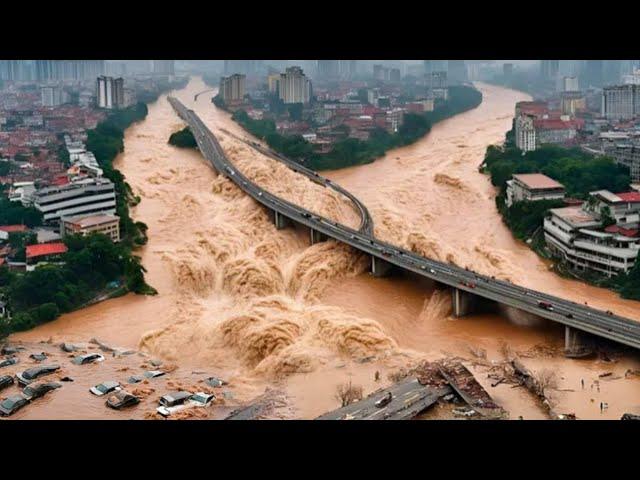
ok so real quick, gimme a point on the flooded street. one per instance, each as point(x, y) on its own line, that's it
point(261, 308)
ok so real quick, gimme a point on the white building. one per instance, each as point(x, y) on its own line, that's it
point(232, 88)
point(570, 84)
point(621, 102)
point(83, 197)
point(576, 234)
point(51, 96)
point(294, 86)
point(525, 133)
point(109, 92)
point(532, 187)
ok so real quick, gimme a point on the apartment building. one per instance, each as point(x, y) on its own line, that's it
point(84, 225)
point(82, 197)
point(532, 187)
point(577, 236)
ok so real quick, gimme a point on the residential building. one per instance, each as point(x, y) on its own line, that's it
point(272, 82)
point(232, 88)
point(621, 102)
point(525, 133)
point(51, 96)
point(164, 67)
point(86, 196)
point(533, 187)
point(294, 86)
point(556, 131)
point(83, 225)
point(572, 102)
point(570, 84)
point(109, 92)
point(42, 253)
point(577, 236)
point(624, 149)
point(633, 78)
point(549, 69)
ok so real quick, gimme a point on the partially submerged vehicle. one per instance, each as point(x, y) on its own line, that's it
point(122, 399)
point(215, 382)
point(8, 362)
point(38, 357)
point(105, 388)
point(177, 401)
point(37, 390)
point(12, 404)
point(154, 373)
point(7, 350)
point(32, 374)
point(88, 358)
point(6, 381)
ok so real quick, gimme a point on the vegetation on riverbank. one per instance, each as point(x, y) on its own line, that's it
point(93, 265)
point(580, 173)
point(351, 151)
point(183, 139)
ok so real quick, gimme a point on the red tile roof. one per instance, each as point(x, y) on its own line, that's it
point(45, 249)
point(627, 232)
point(629, 196)
point(13, 228)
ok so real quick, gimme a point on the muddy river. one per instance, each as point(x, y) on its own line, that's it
point(263, 308)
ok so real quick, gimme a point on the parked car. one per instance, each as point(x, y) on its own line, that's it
point(201, 399)
point(8, 362)
point(32, 374)
point(88, 358)
point(6, 381)
point(122, 399)
point(174, 398)
point(105, 388)
point(135, 379)
point(12, 404)
point(7, 350)
point(154, 373)
point(37, 390)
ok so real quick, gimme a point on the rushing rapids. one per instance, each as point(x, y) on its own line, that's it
point(265, 308)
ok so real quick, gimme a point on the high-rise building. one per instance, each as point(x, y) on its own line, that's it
point(549, 69)
point(438, 80)
point(232, 88)
point(110, 92)
point(621, 102)
point(457, 71)
point(164, 67)
point(570, 84)
point(272, 82)
point(249, 68)
point(593, 73)
point(51, 96)
point(294, 86)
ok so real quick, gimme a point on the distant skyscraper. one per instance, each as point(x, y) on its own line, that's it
point(164, 67)
point(570, 84)
point(336, 69)
point(621, 102)
point(110, 92)
point(294, 86)
point(593, 73)
point(247, 67)
point(549, 69)
point(457, 71)
point(51, 96)
point(232, 88)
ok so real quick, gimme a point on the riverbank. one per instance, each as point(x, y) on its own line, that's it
point(352, 151)
point(580, 173)
point(93, 269)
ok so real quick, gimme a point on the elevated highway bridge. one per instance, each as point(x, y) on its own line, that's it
point(468, 287)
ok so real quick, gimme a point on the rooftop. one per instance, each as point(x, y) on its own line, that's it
point(13, 228)
point(42, 249)
point(575, 216)
point(535, 181)
point(92, 220)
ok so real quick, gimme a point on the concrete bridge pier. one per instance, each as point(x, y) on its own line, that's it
point(462, 302)
point(316, 236)
point(280, 220)
point(576, 342)
point(379, 267)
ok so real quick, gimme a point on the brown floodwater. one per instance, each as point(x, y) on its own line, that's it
point(261, 308)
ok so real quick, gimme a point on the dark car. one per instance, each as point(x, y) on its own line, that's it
point(7, 350)
point(105, 388)
point(88, 358)
point(122, 399)
point(135, 379)
point(12, 404)
point(174, 398)
point(38, 357)
point(32, 374)
point(8, 362)
point(37, 390)
point(5, 381)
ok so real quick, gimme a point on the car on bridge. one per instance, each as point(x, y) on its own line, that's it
point(545, 305)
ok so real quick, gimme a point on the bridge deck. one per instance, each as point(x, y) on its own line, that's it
point(566, 312)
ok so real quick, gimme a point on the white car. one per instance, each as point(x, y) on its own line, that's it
point(105, 388)
point(175, 402)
